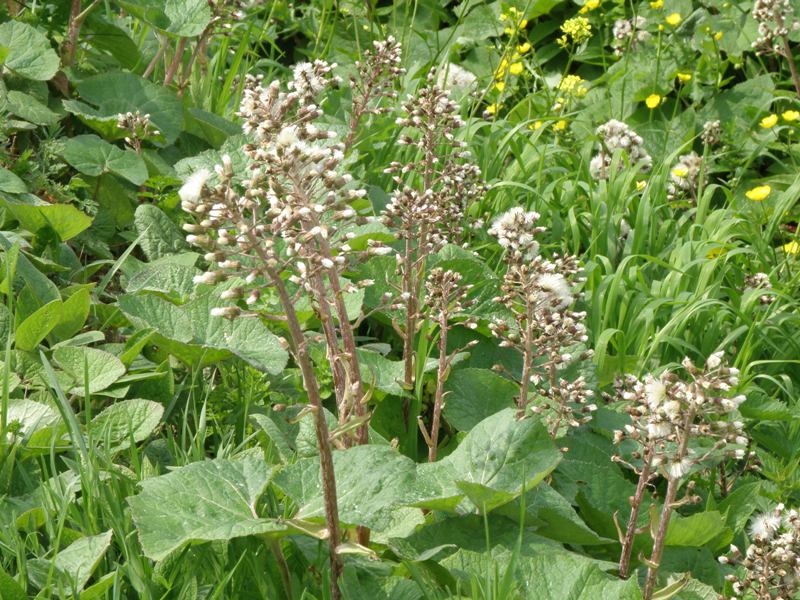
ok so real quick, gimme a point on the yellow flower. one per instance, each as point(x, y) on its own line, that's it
point(715, 252)
point(576, 30)
point(769, 122)
point(640, 185)
point(684, 77)
point(657, 4)
point(535, 125)
point(560, 125)
point(758, 193)
point(572, 85)
point(680, 172)
point(492, 108)
point(523, 48)
point(792, 247)
point(589, 5)
point(660, 27)
point(500, 86)
point(790, 115)
point(501, 68)
point(718, 36)
point(673, 19)
point(652, 101)
point(516, 68)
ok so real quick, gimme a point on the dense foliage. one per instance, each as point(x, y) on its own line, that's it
point(409, 300)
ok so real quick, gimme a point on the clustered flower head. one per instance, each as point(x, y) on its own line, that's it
point(571, 87)
point(770, 567)
point(138, 127)
point(447, 296)
point(539, 293)
point(775, 20)
point(760, 281)
point(376, 75)
point(576, 30)
point(454, 77)
point(712, 133)
point(684, 176)
point(628, 33)
point(294, 205)
point(668, 414)
point(616, 135)
point(515, 231)
point(515, 19)
point(443, 181)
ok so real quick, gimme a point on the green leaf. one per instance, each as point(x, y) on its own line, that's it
point(63, 219)
point(10, 183)
point(74, 564)
point(475, 394)
point(121, 92)
point(498, 460)
point(92, 155)
point(31, 416)
point(695, 530)
point(30, 54)
point(174, 280)
point(159, 235)
point(30, 109)
point(35, 328)
point(9, 588)
point(103, 367)
point(74, 314)
point(203, 501)
point(363, 500)
point(124, 421)
point(185, 18)
point(567, 576)
point(167, 319)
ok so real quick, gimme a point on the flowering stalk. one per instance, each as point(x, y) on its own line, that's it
point(427, 211)
point(446, 298)
point(670, 418)
point(776, 20)
point(538, 292)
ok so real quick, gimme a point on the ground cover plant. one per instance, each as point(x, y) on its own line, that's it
point(410, 300)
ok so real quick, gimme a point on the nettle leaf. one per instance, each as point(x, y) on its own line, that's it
point(498, 460)
point(363, 500)
point(74, 564)
point(126, 421)
point(160, 236)
point(10, 183)
point(475, 394)
point(29, 52)
point(92, 155)
point(201, 502)
point(103, 368)
point(121, 92)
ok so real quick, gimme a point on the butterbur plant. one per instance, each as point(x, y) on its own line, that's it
point(539, 293)
point(770, 567)
point(677, 425)
point(616, 136)
point(426, 210)
point(285, 233)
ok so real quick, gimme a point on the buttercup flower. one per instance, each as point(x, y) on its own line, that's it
point(516, 68)
point(792, 247)
point(769, 122)
point(673, 19)
point(652, 101)
point(790, 115)
point(657, 4)
point(523, 48)
point(758, 193)
point(589, 5)
point(684, 77)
